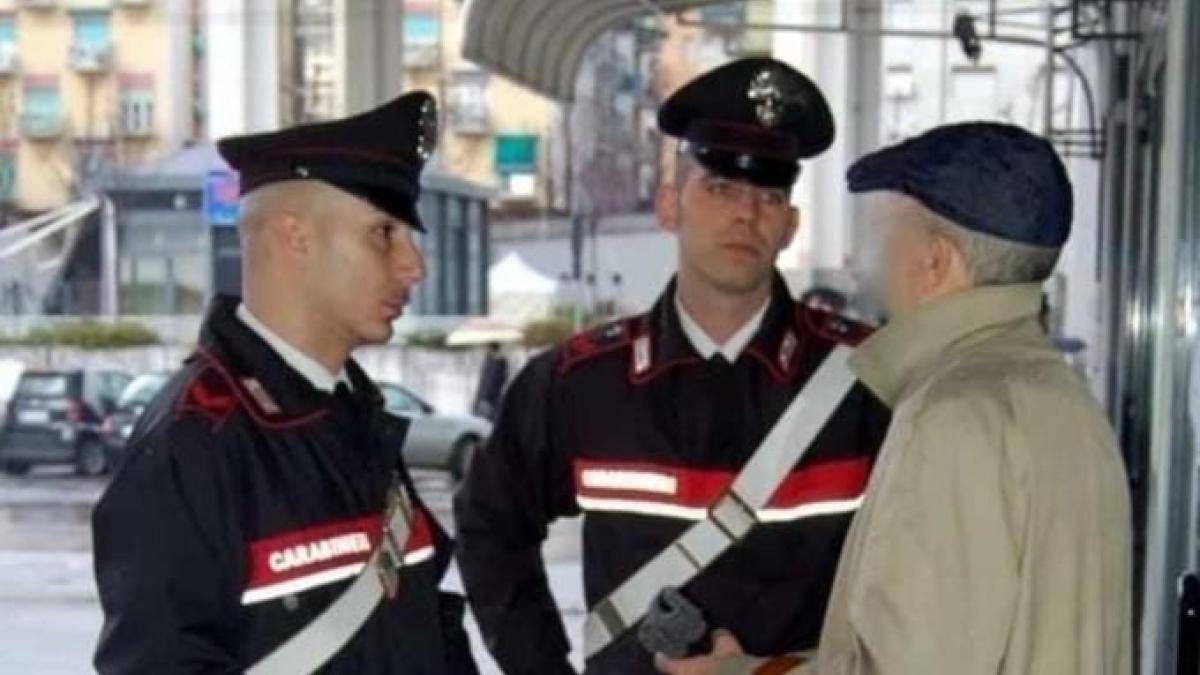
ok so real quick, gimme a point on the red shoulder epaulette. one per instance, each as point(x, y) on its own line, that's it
point(216, 393)
point(834, 327)
point(210, 394)
point(595, 342)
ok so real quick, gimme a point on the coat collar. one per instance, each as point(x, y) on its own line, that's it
point(297, 360)
point(660, 343)
point(902, 353)
point(253, 365)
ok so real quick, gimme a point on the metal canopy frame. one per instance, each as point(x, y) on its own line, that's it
point(541, 43)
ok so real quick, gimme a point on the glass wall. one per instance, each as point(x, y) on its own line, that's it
point(165, 256)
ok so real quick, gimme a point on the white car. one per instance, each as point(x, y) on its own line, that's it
point(435, 440)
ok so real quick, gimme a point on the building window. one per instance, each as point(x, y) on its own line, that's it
point(137, 105)
point(429, 293)
point(468, 112)
point(454, 254)
point(42, 98)
point(516, 164)
point(41, 107)
point(476, 266)
point(422, 34)
point(137, 112)
point(730, 14)
point(91, 45)
point(8, 44)
point(91, 29)
point(8, 29)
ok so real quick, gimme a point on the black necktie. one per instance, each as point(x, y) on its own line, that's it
point(343, 399)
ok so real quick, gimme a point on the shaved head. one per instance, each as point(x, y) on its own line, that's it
point(310, 200)
point(330, 268)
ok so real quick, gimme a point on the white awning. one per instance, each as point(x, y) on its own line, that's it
point(540, 43)
point(512, 275)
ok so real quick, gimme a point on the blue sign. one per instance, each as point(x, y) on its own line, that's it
point(221, 198)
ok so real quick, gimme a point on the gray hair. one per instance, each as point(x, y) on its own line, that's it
point(992, 261)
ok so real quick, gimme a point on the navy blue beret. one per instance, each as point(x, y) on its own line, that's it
point(992, 178)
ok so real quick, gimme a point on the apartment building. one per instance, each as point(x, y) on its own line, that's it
point(88, 87)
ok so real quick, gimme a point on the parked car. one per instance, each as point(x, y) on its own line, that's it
point(54, 417)
point(435, 440)
point(118, 425)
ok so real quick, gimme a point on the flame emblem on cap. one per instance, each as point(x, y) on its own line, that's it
point(764, 90)
point(427, 131)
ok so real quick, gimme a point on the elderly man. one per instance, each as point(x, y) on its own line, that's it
point(263, 520)
point(995, 533)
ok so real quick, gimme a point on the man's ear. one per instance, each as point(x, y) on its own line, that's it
point(947, 267)
point(666, 207)
point(296, 235)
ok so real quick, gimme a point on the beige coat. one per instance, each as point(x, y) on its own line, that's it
point(994, 537)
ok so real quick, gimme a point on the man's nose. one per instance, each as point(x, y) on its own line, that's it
point(409, 263)
point(748, 204)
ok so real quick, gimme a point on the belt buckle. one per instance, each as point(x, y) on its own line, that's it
point(388, 564)
point(391, 551)
point(732, 516)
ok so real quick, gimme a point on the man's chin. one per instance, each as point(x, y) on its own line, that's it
point(377, 334)
point(741, 283)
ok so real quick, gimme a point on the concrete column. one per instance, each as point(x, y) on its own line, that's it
point(847, 68)
point(242, 64)
point(369, 48)
point(864, 105)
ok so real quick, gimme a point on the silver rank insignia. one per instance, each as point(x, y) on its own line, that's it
point(391, 549)
point(259, 393)
point(787, 349)
point(764, 90)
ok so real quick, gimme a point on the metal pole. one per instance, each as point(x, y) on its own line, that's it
point(1048, 111)
point(1171, 517)
point(884, 32)
point(108, 258)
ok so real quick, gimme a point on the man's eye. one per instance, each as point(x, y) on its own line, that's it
point(718, 187)
point(775, 199)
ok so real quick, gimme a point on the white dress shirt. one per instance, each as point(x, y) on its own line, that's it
point(707, 347)
point(308, 367)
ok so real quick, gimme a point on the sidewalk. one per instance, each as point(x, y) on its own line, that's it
point(50, 616)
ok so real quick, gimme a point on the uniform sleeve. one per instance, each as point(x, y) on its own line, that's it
point(166, 566)
point(937, 585)
point(518, 484)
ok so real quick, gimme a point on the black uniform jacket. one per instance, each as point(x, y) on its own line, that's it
point(246, 503)
point(628, 425)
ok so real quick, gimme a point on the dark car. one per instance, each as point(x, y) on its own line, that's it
point(118, 425)
point(55, 417)
point(435, 440)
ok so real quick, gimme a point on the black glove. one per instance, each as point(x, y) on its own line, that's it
point(673, 626)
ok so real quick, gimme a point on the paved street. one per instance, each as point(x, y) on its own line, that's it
point(49, 614)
